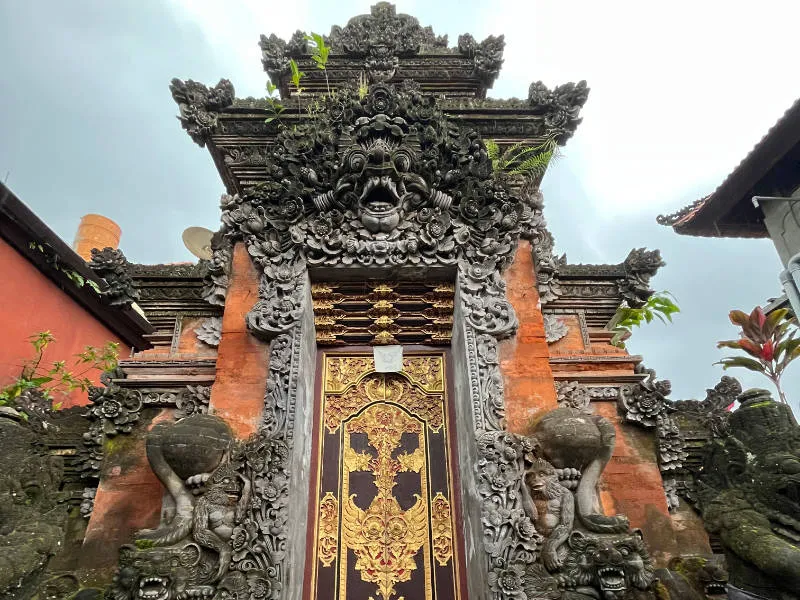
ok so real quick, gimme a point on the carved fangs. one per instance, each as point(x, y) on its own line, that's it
point(154, 588)
point(381, 194)
point(611, 578)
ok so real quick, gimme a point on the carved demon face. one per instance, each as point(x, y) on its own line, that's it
point(377, 177)
point(614, 564)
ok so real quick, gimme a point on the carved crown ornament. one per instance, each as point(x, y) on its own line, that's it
point(385, 45)
point(381, 180)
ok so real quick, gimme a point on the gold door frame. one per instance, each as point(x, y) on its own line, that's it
point(384, 495)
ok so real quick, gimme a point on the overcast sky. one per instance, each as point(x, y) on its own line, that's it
point(681, 91)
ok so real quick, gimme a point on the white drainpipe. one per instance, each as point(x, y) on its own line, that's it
point(790, 280)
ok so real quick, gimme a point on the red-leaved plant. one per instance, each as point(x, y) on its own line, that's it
point(769, 339)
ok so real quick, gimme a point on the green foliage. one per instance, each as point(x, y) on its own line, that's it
point(363, 86)
point(321, 50)
point(769, 340)
point(519, 159)
point(659, 306)
point(274, 107)
point(57, 378)
point(320, 54)
point(297, 75)
point(73, 276)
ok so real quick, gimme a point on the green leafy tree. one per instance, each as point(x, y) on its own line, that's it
point(769, 341)
point(56, 378)
point(659, 306)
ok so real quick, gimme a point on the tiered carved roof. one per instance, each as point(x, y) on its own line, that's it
point(386, 48)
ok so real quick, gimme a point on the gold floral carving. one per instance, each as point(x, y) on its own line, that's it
point(442, 529)
point(327, 538)
point(343, 371)
point(385, 538)
point(426, 371)
point(380, 387)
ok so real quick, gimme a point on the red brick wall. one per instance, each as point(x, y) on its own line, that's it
point(242, 361)
point(525, 359)
point(30, 303)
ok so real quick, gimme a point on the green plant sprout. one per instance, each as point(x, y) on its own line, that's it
point(297, 76)
point(274, 107)
point(363, 86)
point(320, 55)
point(660, 305)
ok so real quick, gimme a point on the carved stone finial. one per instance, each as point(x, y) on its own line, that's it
point(560, 106)
point(199, 105)
point(111, 265)
point(640, 266)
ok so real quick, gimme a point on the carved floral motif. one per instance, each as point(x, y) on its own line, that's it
point(328, 535)
point(111, 265)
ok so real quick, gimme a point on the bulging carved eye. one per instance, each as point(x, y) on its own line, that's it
point(402, 161)
point(357, 161)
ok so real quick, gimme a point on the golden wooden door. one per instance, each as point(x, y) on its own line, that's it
point(384, 498)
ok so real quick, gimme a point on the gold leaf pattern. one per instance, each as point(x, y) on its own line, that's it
point(328, 538)
point(384, 537)
point(442, 529)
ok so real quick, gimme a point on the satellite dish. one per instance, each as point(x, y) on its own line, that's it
point(198, 241)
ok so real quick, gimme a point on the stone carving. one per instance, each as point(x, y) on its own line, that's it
point(215, 283)
point(192, 401)
point(486, 309)
point(382, 180)
point(113, 410)
point(642, 403)
point(210, 331)
point(695, 577)
point(199, 106)
point(574, 438)
point(640, 265)
point(510, 537)
point(561, 105)
point(111, 265)
point(616, 566)
point(545, 263)
point(191, 550)
point(381, 38)
point(191, 449)
point(551, 507)
point(281, 293)
point(488, 55)
point(571, 394)
point(554, 329)
point(32, 521)
point(646, 404)
point(750, 492)
point(543, 538)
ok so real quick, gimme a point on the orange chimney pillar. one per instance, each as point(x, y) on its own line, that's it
point(95, 231)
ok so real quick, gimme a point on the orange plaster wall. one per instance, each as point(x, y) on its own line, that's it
point(30, 303)
point(525, 358)
point(631, 485)
point(242, 361)
point(128, 498)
